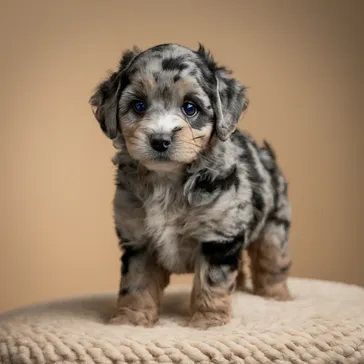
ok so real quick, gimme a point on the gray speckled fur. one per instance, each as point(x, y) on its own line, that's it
point(171, 218)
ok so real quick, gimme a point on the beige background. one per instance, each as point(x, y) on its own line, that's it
point(303, 62)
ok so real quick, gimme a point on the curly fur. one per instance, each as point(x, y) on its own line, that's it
point(195, 207)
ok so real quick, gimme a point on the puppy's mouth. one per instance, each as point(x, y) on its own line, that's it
point(161, 157)
point(165, 158)
point(162, 164)
point(161, 161)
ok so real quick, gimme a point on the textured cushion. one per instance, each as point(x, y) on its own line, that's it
point(324, 324)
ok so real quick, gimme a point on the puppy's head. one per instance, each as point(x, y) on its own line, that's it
point(166, 103)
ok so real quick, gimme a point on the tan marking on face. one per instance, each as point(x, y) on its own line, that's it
point(148, 83)
point(190, 142)
point(145, 81)
point(136, 140)
point(186, 85)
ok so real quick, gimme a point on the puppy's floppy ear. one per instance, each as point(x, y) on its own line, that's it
point(104, 101)
point(229, 101)
point(104, 105)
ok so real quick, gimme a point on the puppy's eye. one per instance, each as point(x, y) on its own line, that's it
point(189, 108)
point(139, 106)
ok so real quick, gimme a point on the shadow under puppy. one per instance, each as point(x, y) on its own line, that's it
point(191, 190)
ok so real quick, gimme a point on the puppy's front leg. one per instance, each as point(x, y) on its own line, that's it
point(214, 281)
point(141, 289)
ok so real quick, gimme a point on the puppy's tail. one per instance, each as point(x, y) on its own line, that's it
point(270, 150)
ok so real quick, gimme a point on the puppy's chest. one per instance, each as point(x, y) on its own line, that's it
point(170, 230)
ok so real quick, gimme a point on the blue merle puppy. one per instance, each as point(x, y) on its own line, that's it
point(191, 190)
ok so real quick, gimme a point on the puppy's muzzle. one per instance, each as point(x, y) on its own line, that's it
point(160, 142)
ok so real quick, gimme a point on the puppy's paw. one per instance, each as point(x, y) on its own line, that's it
point(204, 320)
point(127, 316)
point(277, 292)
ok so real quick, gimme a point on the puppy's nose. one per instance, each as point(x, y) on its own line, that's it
point(160, 143)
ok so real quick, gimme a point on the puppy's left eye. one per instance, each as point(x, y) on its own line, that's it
point(189, 108)
point(139, 106)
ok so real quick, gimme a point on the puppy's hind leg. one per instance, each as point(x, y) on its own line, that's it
point(243, 274)
point(270, 261)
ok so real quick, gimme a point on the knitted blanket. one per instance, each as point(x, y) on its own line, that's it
point(323, 324)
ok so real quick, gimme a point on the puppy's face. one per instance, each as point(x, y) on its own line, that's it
point(166, 117)
point(166, 102)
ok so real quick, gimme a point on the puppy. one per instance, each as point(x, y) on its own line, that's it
point(191, 190)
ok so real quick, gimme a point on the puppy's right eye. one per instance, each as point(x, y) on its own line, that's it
point(189, 108)
point(139, 106)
